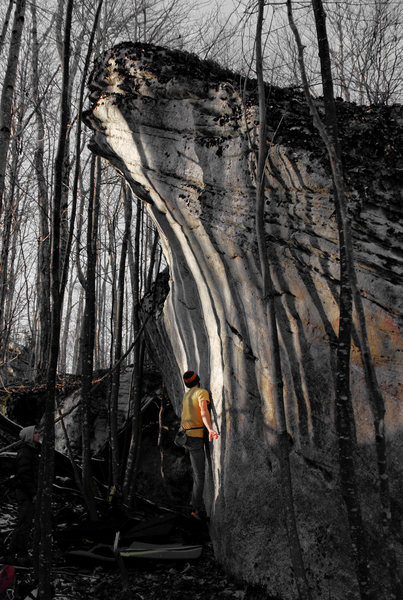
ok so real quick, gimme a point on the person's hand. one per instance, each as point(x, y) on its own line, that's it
point(212, 435)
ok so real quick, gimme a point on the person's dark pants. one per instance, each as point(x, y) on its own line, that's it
point(197, 459)
point(20, 540)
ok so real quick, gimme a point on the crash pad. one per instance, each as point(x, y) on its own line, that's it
point(169, 551)
point(103, 553)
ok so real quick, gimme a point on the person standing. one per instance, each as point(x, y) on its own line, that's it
point(195, 418)
point(26, 483)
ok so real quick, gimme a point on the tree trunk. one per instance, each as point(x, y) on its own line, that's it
point(135, 383)
point(153, 253)
point(64, 345)
point(118, 352)
point(113, 277)
point(8, 92)
point(44, 563)
point(273, 341)
point(11, 297)
point(6, 275)
point(345, 425)
point(100, 352)
point(136, 429)
point(75, 361)
point(374, 393)
point(8, 216)
point(88, 336)
point(5, 24)
point(43, 272)
point(69, 239)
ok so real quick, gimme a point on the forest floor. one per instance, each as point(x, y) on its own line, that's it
point(200, 579)
point(136, 580)
point(142, 580)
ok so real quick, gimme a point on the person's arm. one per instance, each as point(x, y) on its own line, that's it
point(205, 415)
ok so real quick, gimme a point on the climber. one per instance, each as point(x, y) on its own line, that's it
point(26, 481)
point(196, 417)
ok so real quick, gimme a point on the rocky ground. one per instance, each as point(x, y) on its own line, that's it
point(200, 579)
point(141, 580)
point(145, 580)
point(164, 483)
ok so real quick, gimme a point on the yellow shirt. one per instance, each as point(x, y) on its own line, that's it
point(191, 413)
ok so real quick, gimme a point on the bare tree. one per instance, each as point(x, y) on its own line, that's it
point(88, 332)
point(344, 412)
point(118, 347)
point(62, 366)
point(43, 277)
point(5, 24)
point(75, 358)
point(44, 560)
point(158, 22)
point(135, 386)
point(367, 55)
point(13, 201)
point(8, 92)
point(269, 297)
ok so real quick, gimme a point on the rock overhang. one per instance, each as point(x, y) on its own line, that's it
point(132, 72)
point(156, 114)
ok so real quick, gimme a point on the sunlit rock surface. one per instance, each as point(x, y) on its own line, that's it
point(181, 134)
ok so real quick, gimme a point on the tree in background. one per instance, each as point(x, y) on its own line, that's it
point(7, 94)
point(366, 50)
point(345, 424)
point(6, 124)
point(42, 323)
point(33, 118)
point(365, 65)
point(44, 557)
point(87, 337)
point(41, 42)
point(274, 354)
point(365, 43)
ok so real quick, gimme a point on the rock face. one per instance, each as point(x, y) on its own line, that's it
point(181, 134)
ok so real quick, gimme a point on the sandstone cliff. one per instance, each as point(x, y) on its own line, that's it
point(181, 133)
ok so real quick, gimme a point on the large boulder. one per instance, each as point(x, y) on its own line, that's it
point(183, 133)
